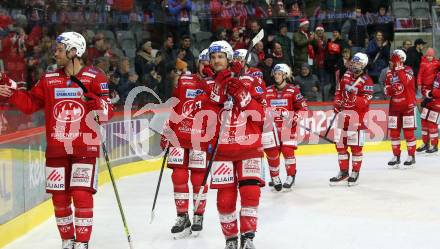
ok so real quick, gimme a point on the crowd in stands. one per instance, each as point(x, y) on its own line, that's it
point(316, 38)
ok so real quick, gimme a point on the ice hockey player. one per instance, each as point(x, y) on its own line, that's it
point(72, 145)
point(187, 155)
point(238, 63)
point(352, 100)
point(431, 113)
point(237, 166)
point(285, 101)
point(400, 87)
point(425, 79)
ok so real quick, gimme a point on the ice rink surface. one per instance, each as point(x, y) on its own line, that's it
point(389, 209)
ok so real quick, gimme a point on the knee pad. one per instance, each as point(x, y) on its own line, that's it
point(180, 176)
point(273, 156)
point(197, 177)
point(226, 200)
point(409, 134)
point(82, 199)
point(250, 195)
point(425, 124)
point(395, 134)
point(356, 150)
point(61, 200)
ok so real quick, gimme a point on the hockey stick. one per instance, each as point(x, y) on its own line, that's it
point(254, 41)
point(158, 184)
point(107, 162)
point(336, 114)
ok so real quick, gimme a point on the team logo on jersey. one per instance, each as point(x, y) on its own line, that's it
point(299, 96)
point(436, 84)
point(81, 175)
point(104, 86)
point(259, 89)
point(187, 109)
point(279, 102)
point(192, 93)
point(68, 93)
point(398, 88)
point(68, 111)
point(55, 178)
point(235, 118)
point(281, 113)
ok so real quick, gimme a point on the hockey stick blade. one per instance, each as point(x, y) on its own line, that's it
point(257, 38)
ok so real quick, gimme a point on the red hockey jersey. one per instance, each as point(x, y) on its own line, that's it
point(400, 86)
point(69, 125)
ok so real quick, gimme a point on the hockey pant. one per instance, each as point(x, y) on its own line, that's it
point(402, 120)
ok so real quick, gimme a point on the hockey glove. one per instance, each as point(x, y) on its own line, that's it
point(236, 67)
point(207, 71)
point(338, 106)
point(239, 93)
point(93, 102)
point(218, 93)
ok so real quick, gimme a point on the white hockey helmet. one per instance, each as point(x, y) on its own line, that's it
point(241, 55)
point(221, 47)
point(283, 68)
point(360, 59)
point(401, 54)
point(73, 40)
point(203, 56)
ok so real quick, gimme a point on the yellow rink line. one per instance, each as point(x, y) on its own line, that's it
point(27, 221)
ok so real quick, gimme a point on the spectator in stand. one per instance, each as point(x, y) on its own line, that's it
point(342, 63)
point(122, 10)
point(378, 51)
point(240, 14)
point(221, 13)
point(253, 31)
point(97, 50)
point(180, 16)
point(278, 55)
point(308, 83)
point(383, 21)
point(302, 49)
point(279, 13)
point(165, 66)
point(379, 87)
point(123, 79)
point(355, 29)
point(258, 52)
point(13, 54)
point(266, 68)
point(333, 55)
point(319, 44)
point(237, 39)
point(294, 15)
point(429, 67)
point(414, 55)
point(144, 61)
point(221, 34)
point(406, 45)
point(185, 44)
point(285, 41)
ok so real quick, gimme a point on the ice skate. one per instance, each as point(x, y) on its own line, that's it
point(182, 228)
point(410, 162)
point(339, 180)
point(353, 179)
point(232, 243)
point(432, 150)
point(197, 225)
point(423, 148)
point(394, 162)
point(277, 183)
point(81, 245)
point(289, 183)
point(246, 241)
point(67, 244)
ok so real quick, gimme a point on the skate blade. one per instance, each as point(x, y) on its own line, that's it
point(395, 166)
point(352, 184)
point(431, 154)
point(195, 234)
point(276, 191)
point(184, 234)
point(406, 167)
point(340, 183)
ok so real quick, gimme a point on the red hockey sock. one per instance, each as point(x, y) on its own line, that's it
point(395, 141)
point(226, 201)
point(250, 199)
point(83, 202)
point(289, 160)
point(343, 158)
point(410, 141)
point(433, 133)
point(63, 214)
point(273, 159)
point(425, 131)
point(196, 181)
point(181, 190)
point(357, 157)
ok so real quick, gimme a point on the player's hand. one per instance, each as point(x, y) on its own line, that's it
point(397, 63)
point(236, 67)
point(239, 92)
point(207, 71)
point(218, 93)
point(295, 119)
point(199, 102)
point(338, 106)
point(163, 142)
point(93, 102)
point(5, 91)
